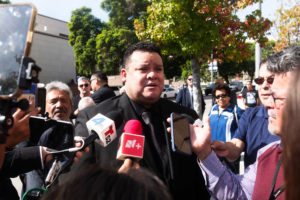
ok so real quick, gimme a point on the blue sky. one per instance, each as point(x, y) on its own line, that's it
point(61, 9)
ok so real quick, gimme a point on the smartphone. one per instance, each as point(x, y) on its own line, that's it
point(60, 134)
point(180, 134)
point(16, 31)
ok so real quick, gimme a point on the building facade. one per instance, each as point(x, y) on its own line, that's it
point(51, 50)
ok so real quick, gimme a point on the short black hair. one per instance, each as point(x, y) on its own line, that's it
point(221, 86)
point(102, 184)
point(140, 46)
point(101, 76)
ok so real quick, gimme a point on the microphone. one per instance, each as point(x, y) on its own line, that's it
point(102, 129)
point(132, 141)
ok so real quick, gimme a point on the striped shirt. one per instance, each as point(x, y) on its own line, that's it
point(223, 184)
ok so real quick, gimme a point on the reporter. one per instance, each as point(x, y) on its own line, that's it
point(21, 160)
point(20, 130)
point(26, 159)
point(18, 133)
point(97, 183)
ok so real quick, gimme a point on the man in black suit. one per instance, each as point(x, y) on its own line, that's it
point(143, 74)
point(185, 95)
point(99, 85)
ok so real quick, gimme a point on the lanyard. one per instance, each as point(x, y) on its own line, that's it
point(275, 194)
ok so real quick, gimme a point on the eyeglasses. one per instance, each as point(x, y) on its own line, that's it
point(279, 102)
point(261, 80)
point(92, 79)
point(190, 79)
point(85, 85)
point(221, 96)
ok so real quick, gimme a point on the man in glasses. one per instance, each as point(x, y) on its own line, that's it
point(84, 88)
point(250, 96)
point(252, 133)
point(263, 179)
point(185, 95)
point(100, 87)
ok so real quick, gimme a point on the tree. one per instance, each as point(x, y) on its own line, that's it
point(84, 29)
point(172, 65)
point(288, 26)
point(123, 12)
point(248, 65)
point(197, 28)
point(4, 1)
point(119, 33)
point(111, 45)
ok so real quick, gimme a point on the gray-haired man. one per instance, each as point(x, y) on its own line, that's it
point(58, 106)
point(263, 179)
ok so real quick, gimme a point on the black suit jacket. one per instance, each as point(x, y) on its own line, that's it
point(103, 93)
point(21, 160)
point(188, 181)
point(16, 162)
point(184, 98)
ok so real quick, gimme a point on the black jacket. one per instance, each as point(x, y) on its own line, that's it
point(184, 98)
point(17, 161)
point(103, 93)
point(188, 181)
point(21, 160)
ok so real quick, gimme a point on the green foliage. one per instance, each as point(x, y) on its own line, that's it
point(248, 65)
point(172, 65)
point(111, 45)
point(197, 28)
point(288, 24)
point(119, 32)
point(268, 49)
point(123, 12)
point(84, 29)
point(177, 28)
point(4, 1)
point(186, 69)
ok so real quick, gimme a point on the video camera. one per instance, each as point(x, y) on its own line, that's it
point(16, 31)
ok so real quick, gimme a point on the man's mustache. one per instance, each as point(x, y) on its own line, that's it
point(59, 110)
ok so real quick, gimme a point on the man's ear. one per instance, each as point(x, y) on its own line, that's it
point(123, 75)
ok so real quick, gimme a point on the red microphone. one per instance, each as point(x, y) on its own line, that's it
point(132, 141)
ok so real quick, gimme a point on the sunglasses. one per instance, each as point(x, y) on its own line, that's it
point(261, 80)
point(190, 79)
point(221, 96)
point(85, 85)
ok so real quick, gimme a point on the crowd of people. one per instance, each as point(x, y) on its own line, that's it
point(211, 172)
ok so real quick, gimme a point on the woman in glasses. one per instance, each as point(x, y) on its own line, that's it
point(224, 117)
